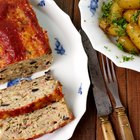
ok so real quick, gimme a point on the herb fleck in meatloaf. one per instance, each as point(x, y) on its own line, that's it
point(37, 123)
point(29, 96)
point(24, 46)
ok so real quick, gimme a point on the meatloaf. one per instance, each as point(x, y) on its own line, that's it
point(37, 123)
point(28, 96)
point(24, 45)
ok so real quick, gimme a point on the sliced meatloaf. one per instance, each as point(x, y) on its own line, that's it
point(24, 45)
point(37, 123)
point(28, 96)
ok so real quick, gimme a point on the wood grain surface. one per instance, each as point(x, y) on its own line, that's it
point(89, 127)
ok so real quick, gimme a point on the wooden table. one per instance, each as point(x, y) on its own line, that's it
point(129, 85)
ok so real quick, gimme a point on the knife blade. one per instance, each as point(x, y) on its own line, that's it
point(102, 101)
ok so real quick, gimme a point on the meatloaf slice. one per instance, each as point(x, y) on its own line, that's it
point(37, 123)
point(28, 96)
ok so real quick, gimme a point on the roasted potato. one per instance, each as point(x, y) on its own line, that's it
point(133, 31)
point(103, 23)
point(130, 15)
point(112, 30)
point(129, 4)
point(128, 45)
point(115, 12)
point(108, 28)
point(139, 21)
point(121, 19)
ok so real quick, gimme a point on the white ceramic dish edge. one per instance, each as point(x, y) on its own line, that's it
point(99, 40)
point(79, 62)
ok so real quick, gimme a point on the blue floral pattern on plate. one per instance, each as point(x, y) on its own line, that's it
point(59, 47)
point(93, 6)
point(41, 3)
point(80, 90)
point(16, 81)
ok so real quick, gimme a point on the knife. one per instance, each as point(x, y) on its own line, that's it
point(102, 101)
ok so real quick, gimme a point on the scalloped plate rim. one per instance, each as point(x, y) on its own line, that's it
point(76, 42)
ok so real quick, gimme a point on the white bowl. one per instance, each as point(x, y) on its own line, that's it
point(90, 12)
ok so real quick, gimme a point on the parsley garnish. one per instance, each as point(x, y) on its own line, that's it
point(135, 16)
point(133, 52)
point(121, 31)
point(106, 9)
point(107, 48)
point(120, 46)
point(127, 58)
point(121, 23)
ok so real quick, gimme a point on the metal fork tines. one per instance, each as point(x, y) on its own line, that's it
point(112, 85)
point(110, 79)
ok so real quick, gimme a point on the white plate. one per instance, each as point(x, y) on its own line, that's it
point(70, 62)
point(90, 13)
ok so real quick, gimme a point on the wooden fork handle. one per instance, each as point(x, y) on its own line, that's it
point(107, 129)
point(124, 124)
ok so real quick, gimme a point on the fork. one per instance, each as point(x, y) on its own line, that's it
point(112, 85)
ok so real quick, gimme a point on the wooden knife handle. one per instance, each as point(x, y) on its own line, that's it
point(124, 124)
point(107, 129)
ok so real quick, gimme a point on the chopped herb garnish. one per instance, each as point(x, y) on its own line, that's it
point(133, 52)
point(121, 32)
point(121, 24)
point(127, 58)
point(135, 16)
point(107, 48)
point(106, 9)
point(120, 46)
point(117, 57)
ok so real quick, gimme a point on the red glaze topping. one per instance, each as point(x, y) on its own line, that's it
point(11, 45)
point(13, 49)
point(40, 34)
point(3, 10)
